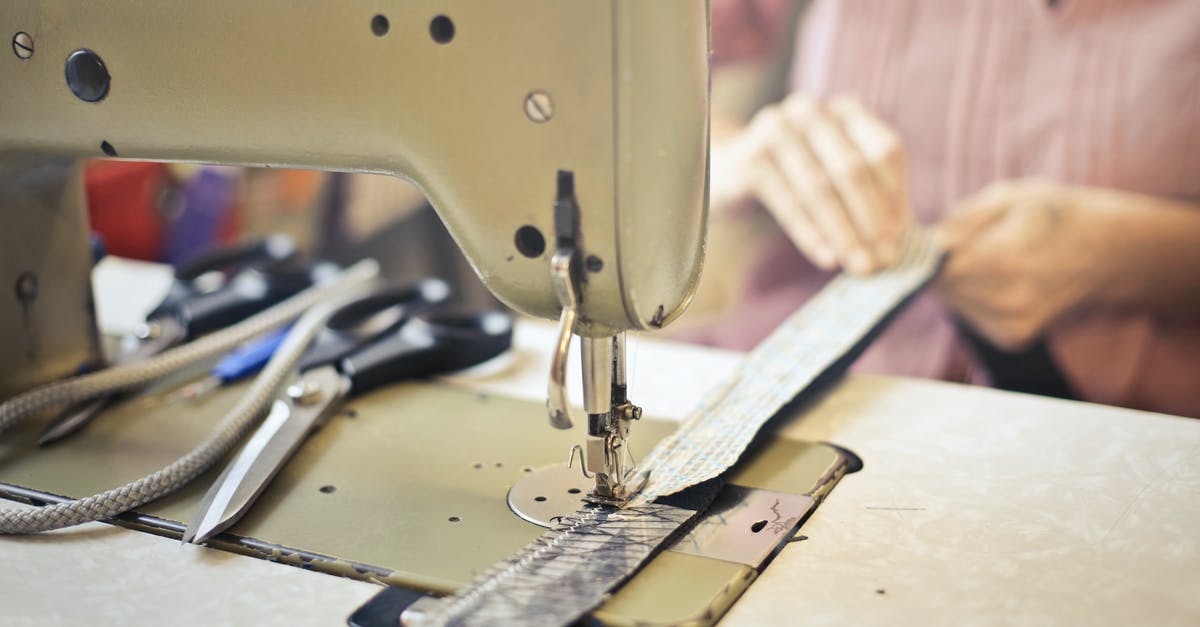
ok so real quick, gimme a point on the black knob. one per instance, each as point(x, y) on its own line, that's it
point(86, 75)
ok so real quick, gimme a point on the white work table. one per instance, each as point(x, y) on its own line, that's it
point(974, 506)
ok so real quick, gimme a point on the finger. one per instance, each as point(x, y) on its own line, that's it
point(762, 130)
point(979, 311)
point(778, 194)
point(853, 182)
point(969, 220)
point(818, 198)
point(819, 203)
point(978, 269)
point(981, 322)
point(882, 150)
point(976, 293)
point(729, 170)
point(988, 277)
point(876, 142)
point(780, 199)
point(1006, 332)
point(732, 160)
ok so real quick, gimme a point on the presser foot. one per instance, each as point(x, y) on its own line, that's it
point(616, 477)
point(619, 494)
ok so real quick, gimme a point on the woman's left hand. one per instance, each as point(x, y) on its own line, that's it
point(1021, 255)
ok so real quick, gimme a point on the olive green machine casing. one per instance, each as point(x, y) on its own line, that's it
point(47, 320)
point(478, 102)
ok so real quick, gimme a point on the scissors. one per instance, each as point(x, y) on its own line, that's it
point(390, 335)
point(209, 292)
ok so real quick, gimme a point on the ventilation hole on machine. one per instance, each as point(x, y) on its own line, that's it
point(441, 28)
point(380, 25)
point(530, 241)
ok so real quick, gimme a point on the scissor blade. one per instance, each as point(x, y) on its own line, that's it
point(78, 416)
point(167, 332)
point(245, 478)
point(75, 418)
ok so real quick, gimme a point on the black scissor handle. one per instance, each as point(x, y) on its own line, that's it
point(257, 274)
point(246, 293)
point(378, 314)
point(271, 249)
point(429, 345)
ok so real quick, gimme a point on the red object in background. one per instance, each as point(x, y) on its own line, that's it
point(123, 206)
point(231, 229)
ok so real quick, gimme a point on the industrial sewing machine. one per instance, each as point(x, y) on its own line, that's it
point(563, 144)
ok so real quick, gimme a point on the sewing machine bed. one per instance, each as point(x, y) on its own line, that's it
point(407, 487)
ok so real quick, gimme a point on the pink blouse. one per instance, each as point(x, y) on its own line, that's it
point(1103, 93)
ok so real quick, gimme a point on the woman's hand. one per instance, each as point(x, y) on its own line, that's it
point(832, 175)
point(1025, 253)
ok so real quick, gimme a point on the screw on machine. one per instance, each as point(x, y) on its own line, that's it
point(22, 45)
point(539, 107)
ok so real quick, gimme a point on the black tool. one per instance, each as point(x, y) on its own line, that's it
point(210, 292)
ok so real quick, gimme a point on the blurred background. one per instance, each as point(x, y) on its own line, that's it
point(169, 212)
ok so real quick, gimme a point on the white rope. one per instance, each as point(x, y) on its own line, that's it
point(326, 298)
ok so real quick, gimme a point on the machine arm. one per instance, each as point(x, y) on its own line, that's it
point(480, 103)
point(564, 144)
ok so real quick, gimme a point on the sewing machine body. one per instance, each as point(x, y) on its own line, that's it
point(47, 322)
point(480, 103)
point(509, 116)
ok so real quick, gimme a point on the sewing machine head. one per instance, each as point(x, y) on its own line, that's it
point(480, 103)
point(564, 144)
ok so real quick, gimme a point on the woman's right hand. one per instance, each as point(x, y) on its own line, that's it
point(831, 174)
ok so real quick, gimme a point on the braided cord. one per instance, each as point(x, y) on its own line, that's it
point(229, 431)
point(86, 387)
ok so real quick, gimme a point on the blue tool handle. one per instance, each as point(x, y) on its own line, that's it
point(249, 358)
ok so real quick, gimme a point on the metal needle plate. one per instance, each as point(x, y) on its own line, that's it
point(549, 493)
point(743, 525)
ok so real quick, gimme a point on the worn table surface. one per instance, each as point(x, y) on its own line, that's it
point(974, 506)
